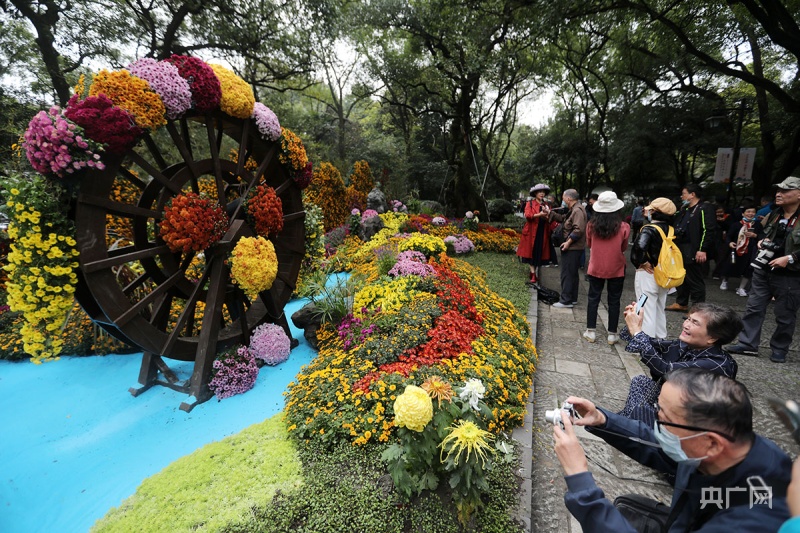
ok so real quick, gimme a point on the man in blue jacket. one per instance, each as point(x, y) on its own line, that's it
point(727, 478)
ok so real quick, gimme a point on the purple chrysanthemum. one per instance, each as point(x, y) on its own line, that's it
point(165, 79)
point(267, 122)
point(270, 344)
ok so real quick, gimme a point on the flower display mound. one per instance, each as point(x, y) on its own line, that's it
point(405, 330)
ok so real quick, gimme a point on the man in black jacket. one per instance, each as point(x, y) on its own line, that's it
point(695, 230)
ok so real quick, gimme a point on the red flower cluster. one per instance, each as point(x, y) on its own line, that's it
point(454, 293)
point(192, 223)
point(303, 177)
point(104, 122)
point(266, 210)
point(402, 368)
point(451, 335)
point(206, 89)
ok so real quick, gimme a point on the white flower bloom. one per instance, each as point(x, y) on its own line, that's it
point(473, 391)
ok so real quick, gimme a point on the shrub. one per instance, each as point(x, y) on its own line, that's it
point(499, 208)
point(328, 192)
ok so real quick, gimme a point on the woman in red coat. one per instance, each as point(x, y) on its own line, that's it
point(534, 246)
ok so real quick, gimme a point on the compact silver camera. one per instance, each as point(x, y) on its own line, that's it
point(765, 255)
point(555, 416)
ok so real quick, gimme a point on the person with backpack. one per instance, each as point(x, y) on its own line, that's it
point(607, 239)
point(646, 249)
point(695, 231)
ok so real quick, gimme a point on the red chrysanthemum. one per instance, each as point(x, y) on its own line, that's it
point(104, 122)
point(206, 89)
point(266, 210)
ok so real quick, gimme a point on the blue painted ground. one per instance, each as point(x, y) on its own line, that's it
point(74, 443)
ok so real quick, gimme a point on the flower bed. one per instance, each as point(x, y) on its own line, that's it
point(449, 325)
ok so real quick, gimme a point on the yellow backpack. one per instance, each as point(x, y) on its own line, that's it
point(669, 271)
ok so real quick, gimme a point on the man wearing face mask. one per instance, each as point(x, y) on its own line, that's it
point(703, 436)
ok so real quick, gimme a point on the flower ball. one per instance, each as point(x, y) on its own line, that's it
point(270, 344)
point(413, 409)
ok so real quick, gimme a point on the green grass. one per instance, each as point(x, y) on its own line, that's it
point(260, 481)
point(506, 276)
point(215, 486)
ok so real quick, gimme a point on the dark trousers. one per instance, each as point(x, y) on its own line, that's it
point(786, 291)
point(694, 284)
point(570, 262)
point(613, 297)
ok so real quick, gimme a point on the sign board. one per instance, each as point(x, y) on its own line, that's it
point(722, 171)
point(744, 167)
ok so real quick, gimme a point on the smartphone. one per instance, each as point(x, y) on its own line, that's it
point(789, 413)
point(640, 303)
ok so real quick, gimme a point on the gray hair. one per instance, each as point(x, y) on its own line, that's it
point(714, 401)
point(572, 193)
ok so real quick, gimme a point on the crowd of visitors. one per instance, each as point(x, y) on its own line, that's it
point(689, 418)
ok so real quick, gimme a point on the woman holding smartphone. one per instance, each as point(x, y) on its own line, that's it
point(707, 328)
point(534, 246)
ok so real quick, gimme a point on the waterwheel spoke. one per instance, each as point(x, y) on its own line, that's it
point(118, 208)
point(282, 245)
point(184, 151)
point(212, 143)
point(283, 186)
point(152, 147)
point(254, 178)
point(121, 256)
point(147, 300)
point(243, 151)
point(153, 171)
point(132, 178)
point(137, 282)
point(188, 310)
point(285, 279)
point(294, 216)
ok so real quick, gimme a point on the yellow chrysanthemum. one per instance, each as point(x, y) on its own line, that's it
point(238, 99)
point(254, 264)
point(465, 436)
point(413, 409)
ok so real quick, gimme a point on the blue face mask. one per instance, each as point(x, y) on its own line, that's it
point(649, 218)
point(685, 202)
point(671, 445)
point(563, 203)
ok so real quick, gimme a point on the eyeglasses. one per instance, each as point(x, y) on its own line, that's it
point(660, 423)
point(694, 321)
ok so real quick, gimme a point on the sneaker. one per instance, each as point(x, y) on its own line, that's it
point(559, 305)
point(677, 307)
point(589, 335)
point(613, 338)
point(741, 292)
point(777, 358)
point(672, 290)
point(741, 349)
point(575, 302)
point(723, 286)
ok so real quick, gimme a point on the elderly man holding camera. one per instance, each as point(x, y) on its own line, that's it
point(727, 478)
point(776, 274)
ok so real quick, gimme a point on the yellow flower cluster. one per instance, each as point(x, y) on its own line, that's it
point(392, 221)
point(505, 242)
point(119, 230)
point(429, 245)
point(131, 94)
point(238, 99)
point(328, 192)
point(254, 265)
point(41, 267)
point(293, 146)
point(389, 297)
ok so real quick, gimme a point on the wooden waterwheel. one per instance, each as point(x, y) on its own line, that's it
point(182, 306)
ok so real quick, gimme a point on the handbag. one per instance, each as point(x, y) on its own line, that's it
point(644, 514)
point(548, 296)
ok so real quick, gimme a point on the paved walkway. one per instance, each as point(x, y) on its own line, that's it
point(568, 365)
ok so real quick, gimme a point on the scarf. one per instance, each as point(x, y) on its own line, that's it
point(742, 241)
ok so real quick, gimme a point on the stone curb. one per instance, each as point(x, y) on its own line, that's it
point(523, 436)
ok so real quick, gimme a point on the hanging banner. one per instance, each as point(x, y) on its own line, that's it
point(744, 167)
point(722, 171)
